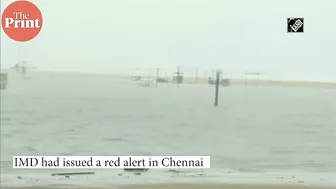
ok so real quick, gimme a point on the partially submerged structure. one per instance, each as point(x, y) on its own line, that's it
point(255, 80)
point(177, 78)
point(146, 83)
point(22, 68)
point(136, 78)
point(161, 80)
point(223, 82)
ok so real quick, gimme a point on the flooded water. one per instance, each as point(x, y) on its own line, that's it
point(256, 134)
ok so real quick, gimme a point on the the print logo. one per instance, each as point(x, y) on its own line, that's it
point(22, 21)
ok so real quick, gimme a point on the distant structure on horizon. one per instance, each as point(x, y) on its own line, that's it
point(255, 74)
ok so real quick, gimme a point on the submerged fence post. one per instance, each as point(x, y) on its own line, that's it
point(217, 88)
point(178, 76)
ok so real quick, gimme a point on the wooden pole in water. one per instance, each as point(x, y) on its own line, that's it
point(148, 83)
point(157, 76)
point(217, 88)
point(178, 76)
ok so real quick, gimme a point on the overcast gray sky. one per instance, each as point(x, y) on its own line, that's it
point(234, 35)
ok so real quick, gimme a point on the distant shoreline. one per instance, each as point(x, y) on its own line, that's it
point(202, 80)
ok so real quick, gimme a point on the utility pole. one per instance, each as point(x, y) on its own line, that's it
point(217, 88)
point(178, 76)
